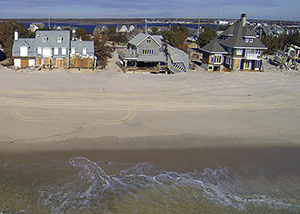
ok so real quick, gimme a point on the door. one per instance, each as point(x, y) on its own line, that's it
point(59, 63)
point(24, 63)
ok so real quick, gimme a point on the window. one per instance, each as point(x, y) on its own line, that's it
point(247, 64)
point(239, 52)
point(84, 51)
point(23, 51)
point(64, 51)
point(216, 59)
point(251, 40)
point(228, 61)
point(148, 51)
point(59, 39)
point(39, 50)
point(55, 50)
point(148, 40)
point(44, 39)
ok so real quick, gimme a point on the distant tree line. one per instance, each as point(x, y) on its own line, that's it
point(273, 43)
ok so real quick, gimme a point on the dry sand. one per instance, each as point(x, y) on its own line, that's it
point(77, 111)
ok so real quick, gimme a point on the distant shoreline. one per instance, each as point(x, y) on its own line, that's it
point(137, 20)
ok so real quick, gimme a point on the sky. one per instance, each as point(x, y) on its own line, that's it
point(221, 9)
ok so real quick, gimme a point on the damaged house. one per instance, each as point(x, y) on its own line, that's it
point(287, 58)
point(237, 48)
point(148, 52)
point(51, 49)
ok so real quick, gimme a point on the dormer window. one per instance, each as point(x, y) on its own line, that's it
point(44, 39)
point(249, 40)
point(59, 39)
point(84, 51)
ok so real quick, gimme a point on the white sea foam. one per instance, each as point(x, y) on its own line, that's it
point(142, 184)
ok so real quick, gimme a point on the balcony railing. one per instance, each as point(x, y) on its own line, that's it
point(124, 53)
point(252, 56)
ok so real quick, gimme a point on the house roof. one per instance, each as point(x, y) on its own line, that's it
point(177, 55)
point(214, 47)
point(141, 37)
point(235, 38)
point(79, 45)
point(51, 40)
point(236, 35)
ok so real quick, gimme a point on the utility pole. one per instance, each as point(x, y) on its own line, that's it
point(145, 23)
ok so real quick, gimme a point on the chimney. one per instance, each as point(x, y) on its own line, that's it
point(243, 19)
point(16, 35)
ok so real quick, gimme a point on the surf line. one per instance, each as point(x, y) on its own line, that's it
point(16, 113)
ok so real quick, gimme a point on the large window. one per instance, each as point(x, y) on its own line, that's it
point(23, 51)
point(148, 51)
point(216, 59)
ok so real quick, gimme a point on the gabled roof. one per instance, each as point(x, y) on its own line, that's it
point(141, 37)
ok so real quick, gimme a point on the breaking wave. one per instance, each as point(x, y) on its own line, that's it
point(142, 189)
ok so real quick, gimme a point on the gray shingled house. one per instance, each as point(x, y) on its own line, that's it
point(49, 49)
point(82, 54)
point(237, 48)
point(149, 51)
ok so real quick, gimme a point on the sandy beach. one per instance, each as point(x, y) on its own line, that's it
point(111, 142)
point(71, 110)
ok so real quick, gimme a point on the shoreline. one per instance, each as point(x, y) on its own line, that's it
point(180, 153)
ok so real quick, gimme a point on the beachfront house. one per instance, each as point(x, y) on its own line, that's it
point(82, 54)
point(148, 52)
point(49, 49)
point(287, 58)
point(237, 48)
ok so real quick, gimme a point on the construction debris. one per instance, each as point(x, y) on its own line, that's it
point(287, 58)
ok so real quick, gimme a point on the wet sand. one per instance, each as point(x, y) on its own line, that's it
point(180, 122)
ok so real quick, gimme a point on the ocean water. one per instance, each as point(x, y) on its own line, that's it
point(83, 186)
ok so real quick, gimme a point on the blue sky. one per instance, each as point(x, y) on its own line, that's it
point(255, 9)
